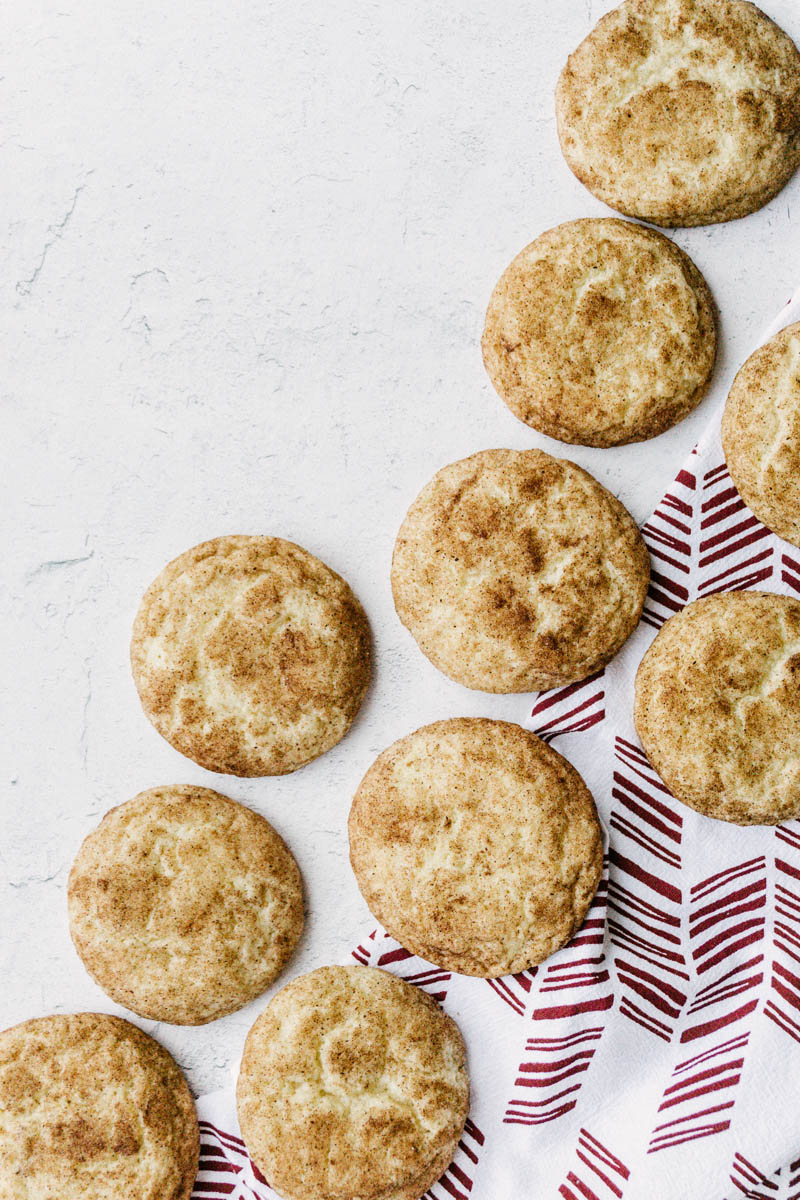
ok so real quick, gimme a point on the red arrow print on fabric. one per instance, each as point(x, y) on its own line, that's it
point(570, 709)
point(668, 538)
point(224, 1162)
point(514, 990)
point(752, 1183)
point(573, 995)
point(790, 572)
point(783, 1006)
point(381, 950)
point(727, 527)
point(726, 931)
point(458, 1179)
point(644, 895)
point(600, 1176)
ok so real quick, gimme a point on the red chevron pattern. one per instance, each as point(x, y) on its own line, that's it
point(791, 1175)
point(580, 970)
point(668, 538)
point(570, 709)
point(752, 1183)
point(726, 930)
point(457, 1181)
point(645, 896)
point(514, 990)
point(790, 572)
point(223, 1165)
point(381, 950)
point(576, 988)
point(217, 1177)
point(697, 1103)
point(727, 922)
point(602, 1176)
point(554, 1067)
point(783, 1006)
point(645, 810)
point(727, 528)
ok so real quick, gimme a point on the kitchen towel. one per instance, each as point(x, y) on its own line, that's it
point(657, 1057)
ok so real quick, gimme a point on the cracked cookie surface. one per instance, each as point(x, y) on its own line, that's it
point(682, 112)
point(250, 655)
point(184, 905)
point(353, 1083)
point(600, 332)
point(516, 571)
point(91, 1108)
point(761, 434)
point(717, 706)
point(476, 846)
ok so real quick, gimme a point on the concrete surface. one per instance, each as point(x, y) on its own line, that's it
point(246, 250)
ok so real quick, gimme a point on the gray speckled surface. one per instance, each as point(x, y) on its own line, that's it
point(246, 251)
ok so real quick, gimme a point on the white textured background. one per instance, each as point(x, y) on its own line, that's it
point(246, 250)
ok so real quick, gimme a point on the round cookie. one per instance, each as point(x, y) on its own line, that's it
point(761, 434)
point(600, 332)
point(682, 112)
point(476, 846)
point(718, 706)
point(352, 1083)
point(91, 1108)
point(516, 572)
point(250, 656)
point(184, 905)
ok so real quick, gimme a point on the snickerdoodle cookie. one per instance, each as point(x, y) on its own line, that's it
point(476, 846)
point(682, 112)
point(600, 332)
point(250, 656)
point(718, 706)
point(184, 905)
point(761, 434)
point(353, 1084)
point(516, 571)
point(91, 1108)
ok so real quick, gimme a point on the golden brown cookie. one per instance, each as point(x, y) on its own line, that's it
point(353, 1084)
point(600, 332)
point(476, 846)
point(718, 706)
point(761, 434)
point(184, 905)
point(91, 1108)
point(250, 656)
point(682, 112)
point(516, 572)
